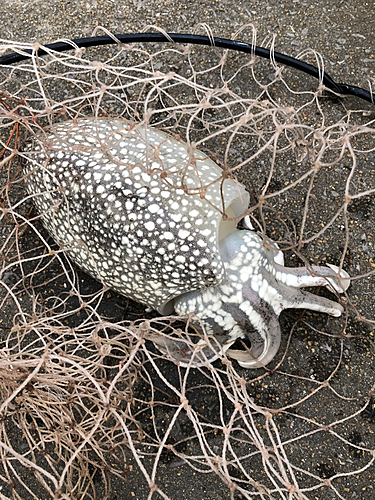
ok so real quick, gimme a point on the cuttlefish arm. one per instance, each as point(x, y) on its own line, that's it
point(256, 288)
point(299, 277)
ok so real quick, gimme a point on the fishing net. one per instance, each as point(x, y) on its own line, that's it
point(89, 407)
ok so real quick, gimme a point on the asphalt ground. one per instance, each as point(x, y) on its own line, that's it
point(342, 32)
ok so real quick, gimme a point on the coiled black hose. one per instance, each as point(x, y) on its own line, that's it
point(328, 82)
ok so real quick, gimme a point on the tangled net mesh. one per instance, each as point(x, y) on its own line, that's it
point(86, 400)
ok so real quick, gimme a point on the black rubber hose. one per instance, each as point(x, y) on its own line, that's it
point(328, 82)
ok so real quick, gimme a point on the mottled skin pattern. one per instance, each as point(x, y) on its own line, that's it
point(98, 187)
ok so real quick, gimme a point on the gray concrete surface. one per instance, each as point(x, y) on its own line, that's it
point(342, 31)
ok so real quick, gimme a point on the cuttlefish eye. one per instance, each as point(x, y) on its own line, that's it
point(101, 191)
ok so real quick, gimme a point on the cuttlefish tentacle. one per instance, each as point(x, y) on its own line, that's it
point(294, 298)
point(299, 277)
